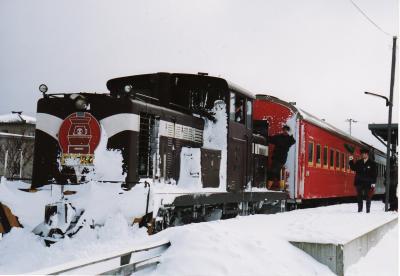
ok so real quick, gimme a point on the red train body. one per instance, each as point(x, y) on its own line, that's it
point(317, 165)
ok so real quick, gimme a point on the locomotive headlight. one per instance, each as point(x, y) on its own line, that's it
point(43, 88)
point(128, 88)
point(80, 103)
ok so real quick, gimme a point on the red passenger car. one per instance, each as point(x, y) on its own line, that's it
point(317, 165)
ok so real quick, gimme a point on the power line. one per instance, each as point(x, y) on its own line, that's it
point(369, 19)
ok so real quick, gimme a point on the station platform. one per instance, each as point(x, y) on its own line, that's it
point(340, 241)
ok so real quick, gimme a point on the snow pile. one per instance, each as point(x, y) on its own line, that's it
point(29, 207)
point(107, 163)
point(26, 253)
point(215, 137)
point(100, 200)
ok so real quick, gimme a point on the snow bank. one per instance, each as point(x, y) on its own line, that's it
point(24, 252)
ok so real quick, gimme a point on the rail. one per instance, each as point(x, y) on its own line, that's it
point(124, 263)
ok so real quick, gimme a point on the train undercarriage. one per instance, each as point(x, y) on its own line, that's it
point(207, 207)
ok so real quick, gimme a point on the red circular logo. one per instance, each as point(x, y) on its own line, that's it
point(79, 135)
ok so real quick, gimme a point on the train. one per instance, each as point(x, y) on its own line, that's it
point(203, 137)
point(317, 170)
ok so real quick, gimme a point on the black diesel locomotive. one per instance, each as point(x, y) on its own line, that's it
point(150, 118)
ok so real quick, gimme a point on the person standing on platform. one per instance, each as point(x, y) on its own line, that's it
point(282, 142)
point(365, 179)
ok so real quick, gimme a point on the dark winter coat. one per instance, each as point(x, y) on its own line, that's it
point(282, 144)
point(366, 173)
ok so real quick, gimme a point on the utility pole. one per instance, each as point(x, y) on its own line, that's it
point(350, 120)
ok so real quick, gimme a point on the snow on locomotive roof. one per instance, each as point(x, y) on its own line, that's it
point(17, 118)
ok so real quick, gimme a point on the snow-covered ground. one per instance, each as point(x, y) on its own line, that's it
point(258, 245)
point(253, 245)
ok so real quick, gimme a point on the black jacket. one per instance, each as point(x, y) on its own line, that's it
point(282, 144)
point(366, 173)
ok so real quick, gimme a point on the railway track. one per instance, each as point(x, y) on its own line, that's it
point(118, 263)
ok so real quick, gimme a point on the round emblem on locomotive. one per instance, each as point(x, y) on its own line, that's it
point(79, 135)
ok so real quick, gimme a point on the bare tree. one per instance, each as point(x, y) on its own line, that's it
point(18, 153)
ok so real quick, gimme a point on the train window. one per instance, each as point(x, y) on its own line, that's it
point(196, 94)
point(318, 156)
point(332, 159)
point(249, 112)
point(144, 88)
point(325, 160)
point(343, 162)
point(239, 109)
point(310, 153)
point(204, 99)
point(337, 163)
point(180, 96)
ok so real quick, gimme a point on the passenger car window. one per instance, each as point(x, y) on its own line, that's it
point(343, 162)
point(325, 157)
point(332, 159)
point(318, 155)
point(337, 160)
point(310, 153)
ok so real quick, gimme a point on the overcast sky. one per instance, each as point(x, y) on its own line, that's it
point(321, 54)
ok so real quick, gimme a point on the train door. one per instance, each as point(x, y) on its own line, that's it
point(239, 144)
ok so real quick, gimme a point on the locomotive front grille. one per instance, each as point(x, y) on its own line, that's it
point(148, 144)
